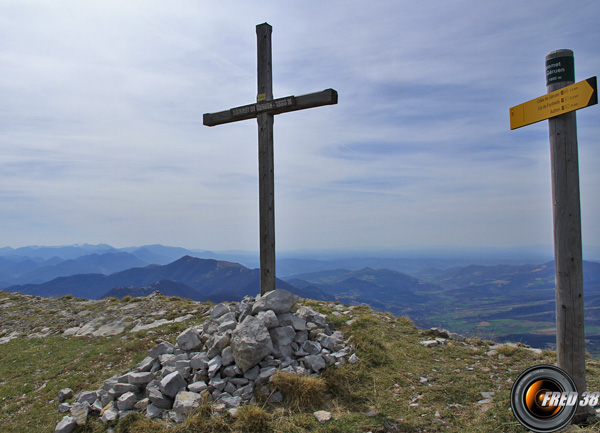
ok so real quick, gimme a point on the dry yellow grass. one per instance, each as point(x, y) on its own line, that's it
point(301, 393)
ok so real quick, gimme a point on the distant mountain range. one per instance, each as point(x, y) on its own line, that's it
point(204, 277)
point(32, 271)
point(38, 264)
point(513, 302)
point(503, 302)
point(383, 289)
point(156, 254)
point(190, 277)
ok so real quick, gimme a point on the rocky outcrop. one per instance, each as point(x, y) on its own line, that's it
point(226, 360)
point(24, 316)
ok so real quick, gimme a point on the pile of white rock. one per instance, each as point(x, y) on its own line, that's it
point(227, 359)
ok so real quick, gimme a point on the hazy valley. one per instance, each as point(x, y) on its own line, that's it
point(506, 302)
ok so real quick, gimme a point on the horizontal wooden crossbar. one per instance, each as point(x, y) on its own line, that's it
point(275, 106)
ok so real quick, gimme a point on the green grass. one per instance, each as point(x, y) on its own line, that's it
point(34, 370)
point(398, 385)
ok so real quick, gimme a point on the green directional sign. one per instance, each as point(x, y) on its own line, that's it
point(560, 69)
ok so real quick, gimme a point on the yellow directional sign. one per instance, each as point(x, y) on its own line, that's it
point(570, 98)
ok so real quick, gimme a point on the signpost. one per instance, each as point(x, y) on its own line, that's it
point(559, 106)
point(264, 110)
point(565, 100)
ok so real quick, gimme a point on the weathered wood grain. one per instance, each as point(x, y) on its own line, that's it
point(277, 106)
point(570, 331)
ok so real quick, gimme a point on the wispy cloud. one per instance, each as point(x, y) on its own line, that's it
point(101, 136)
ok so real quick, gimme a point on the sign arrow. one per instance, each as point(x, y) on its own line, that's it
point(570, 98)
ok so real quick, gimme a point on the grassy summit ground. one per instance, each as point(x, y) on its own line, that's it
point(398, 386)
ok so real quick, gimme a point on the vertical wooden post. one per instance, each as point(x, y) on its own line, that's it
point(265, 161)
point(568, 262)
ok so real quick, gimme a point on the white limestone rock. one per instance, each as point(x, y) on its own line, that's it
point(218, 311)
point(227, 356)
point(186, 402)
point(268, 318)
point(64, 407)
point(280, 301)
point(282, 335)
point(153, 411)
point(110, 413)
point(79, 412)
point(214, 365)
point(228, 325)
point(289, 319)
point(65, 394)
point(315, 362)
point(189, 340)
point(231, 402)
point(171, 384)
point(140, 378)
point(146, 365)
point(311, 315)
point(322, 416)
point(198, 387)
point(163, 348)
point(160, 400)
point(66, 425)
point(216, 343)
point(200, 361)
point(88, 397)
point(250, 342)
point(126, 401)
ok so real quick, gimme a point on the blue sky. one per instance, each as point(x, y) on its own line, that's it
point(101, 135)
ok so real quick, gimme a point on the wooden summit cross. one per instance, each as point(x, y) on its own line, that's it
point(264, 110)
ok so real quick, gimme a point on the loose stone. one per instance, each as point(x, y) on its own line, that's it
point(322, 416)
point(65, 394)
point(171, 384)
point(126, 401)
point(186, 402)
point(230, 357)
point(66, 425)
point(79, 411)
